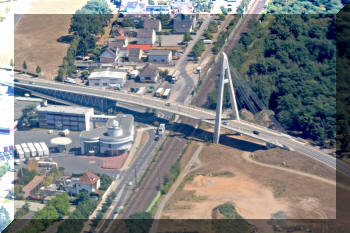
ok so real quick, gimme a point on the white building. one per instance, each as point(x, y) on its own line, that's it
point(115, 138)
point(157, 55)
point(65, 117)
point(103, 79)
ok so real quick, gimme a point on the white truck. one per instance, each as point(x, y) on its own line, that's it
point(161, 129)
point(19, 151)
point(46, 151)
point(159, 92)
point(39, 150)
point(25, 150)
point(64, 133)
point(32, 149)
point(166, 93)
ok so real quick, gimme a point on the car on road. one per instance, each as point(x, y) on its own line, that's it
point(31, 82)
point(119, 208)
point(167, 104)
point(156, 138)
point(130, 183)
point(225, 123)
point(256, 132)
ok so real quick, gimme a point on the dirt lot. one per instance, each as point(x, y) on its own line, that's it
point(36, 42)
point(257, 192)
point(294, 161)
point(37, 32)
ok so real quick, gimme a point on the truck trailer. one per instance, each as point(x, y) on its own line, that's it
point(46, 151)
point(38, 148)
point(32, 149)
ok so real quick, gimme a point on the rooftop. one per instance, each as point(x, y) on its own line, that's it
point(159, 52)
point(32, 184)
point(140, 46)
point(149, 70)
point(134, 52)
point(65, 109)
point(145, 33)
point(88, 178)
point(107, 74)
point(122, 123)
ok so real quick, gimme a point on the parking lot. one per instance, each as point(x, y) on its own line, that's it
point(71, 162)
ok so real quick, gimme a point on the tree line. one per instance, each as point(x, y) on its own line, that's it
point(289, 61)
point(86, 26)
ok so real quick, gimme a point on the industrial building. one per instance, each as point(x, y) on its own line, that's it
point(65, 117)
point(114, 138)
point(105, 78)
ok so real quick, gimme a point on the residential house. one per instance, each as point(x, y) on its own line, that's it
point(149, 73)
point(146, 36)
point(116, 31)
point(157, 55)
point(152, 23)
point(183, 23)
point(135, 54)
point(109, 55)
point(183, 7)
point(89, 182)
point(134, 7)
point(33, 186)
point(158, 9)
point(118, 41)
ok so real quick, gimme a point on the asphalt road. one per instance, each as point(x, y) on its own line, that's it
point(160, 168)
point(188, 83)
point(243, 127)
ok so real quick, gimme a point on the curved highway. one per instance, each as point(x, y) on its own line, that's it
point(249, 129)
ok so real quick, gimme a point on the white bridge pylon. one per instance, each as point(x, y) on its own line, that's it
point(225, 78)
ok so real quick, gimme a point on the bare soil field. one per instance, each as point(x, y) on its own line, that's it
point(256, 191)
point(36, 42)
point(295, 161)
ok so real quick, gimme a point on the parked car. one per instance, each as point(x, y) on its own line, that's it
point(256, 132)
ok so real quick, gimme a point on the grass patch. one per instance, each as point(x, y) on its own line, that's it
point(227, 210)
point(278, 188)
point(193, 197)
point(223, 174)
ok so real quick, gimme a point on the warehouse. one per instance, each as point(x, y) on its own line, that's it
point(115, 138)
point(105, 78)
point(65, 117)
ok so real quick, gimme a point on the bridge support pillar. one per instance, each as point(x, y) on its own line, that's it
point(225, 78)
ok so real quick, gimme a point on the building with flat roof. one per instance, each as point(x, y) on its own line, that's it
point(105, 78)
point(65, 117)
point(114, 138)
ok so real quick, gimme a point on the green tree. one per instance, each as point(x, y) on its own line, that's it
point(61, 74)
point(38, 69)
point(61, 204)
point(187, 37)
point(139, 222)
point(12, 64)
point(24, 65)
point(198, 48)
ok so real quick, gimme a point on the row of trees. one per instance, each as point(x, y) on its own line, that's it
point(289, 61)
point(85, 205)
point(305, 6)
point(343, 84)
point(86, 25)
point(53, 211)
point(223, 35)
